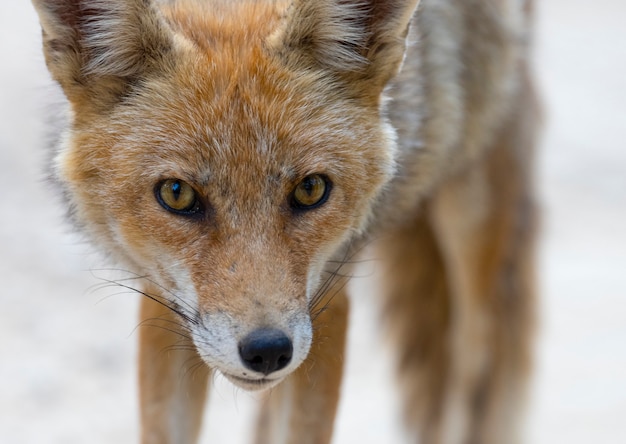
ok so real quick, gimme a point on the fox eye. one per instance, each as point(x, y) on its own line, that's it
point(311, 192)
point(177, 196)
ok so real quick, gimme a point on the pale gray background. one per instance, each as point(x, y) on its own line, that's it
point(67, 353)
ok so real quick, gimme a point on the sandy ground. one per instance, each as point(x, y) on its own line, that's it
point(67, 351)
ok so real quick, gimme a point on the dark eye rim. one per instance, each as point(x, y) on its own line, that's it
point(196, 209)
point(297, 206)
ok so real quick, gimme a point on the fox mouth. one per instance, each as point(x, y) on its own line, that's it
point(252, 384)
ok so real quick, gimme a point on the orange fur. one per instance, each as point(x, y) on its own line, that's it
point(245, 100)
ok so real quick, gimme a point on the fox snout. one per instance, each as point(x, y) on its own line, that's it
point(266, 350)
point(255, 324)
point(253, 358)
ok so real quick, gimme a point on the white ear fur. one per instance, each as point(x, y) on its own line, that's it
point(85, 40)
point(363, 38)
point(124, 37)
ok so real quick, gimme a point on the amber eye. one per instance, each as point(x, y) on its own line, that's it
point(177, 196)
point(311, 192)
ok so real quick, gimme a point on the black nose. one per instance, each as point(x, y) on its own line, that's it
point(266, 350)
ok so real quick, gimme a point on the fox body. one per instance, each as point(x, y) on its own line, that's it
point(236, 155)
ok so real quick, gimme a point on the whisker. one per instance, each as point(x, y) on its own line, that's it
point(350, 262)
point(148, 279)
point(323, 291)
point(158, 299)
point(321, 310)
point(335, 275)
point(149, 323)
point(109, 296)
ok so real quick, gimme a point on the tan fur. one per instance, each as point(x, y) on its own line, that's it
point(243, 100)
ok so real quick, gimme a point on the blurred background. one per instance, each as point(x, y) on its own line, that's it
point(67, 351)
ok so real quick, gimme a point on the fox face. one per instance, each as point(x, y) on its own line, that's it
point(226, 156)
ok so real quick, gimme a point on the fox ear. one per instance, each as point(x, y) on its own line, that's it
point(95, 49)
point(357, 40)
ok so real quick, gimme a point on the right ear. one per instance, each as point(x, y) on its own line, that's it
point(96, 49)
point(361, 42)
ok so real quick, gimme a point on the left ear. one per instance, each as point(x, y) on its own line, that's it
point(95, 48)
point(362, 42)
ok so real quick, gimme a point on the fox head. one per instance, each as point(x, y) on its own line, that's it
point(227, 150)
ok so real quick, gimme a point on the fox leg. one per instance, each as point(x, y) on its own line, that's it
point(485, 221)
point(460, 299)
point(488, 254)
point(416, 312)
point(172, 378)
point(301, 410)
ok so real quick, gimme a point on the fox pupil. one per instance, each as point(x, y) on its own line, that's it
point(308, 185)
point(176, 190)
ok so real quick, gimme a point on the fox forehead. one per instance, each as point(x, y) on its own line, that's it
point(212, 117)
point(193, 127)
point(223, 99)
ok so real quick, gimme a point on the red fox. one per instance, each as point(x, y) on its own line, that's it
point(237, 155)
